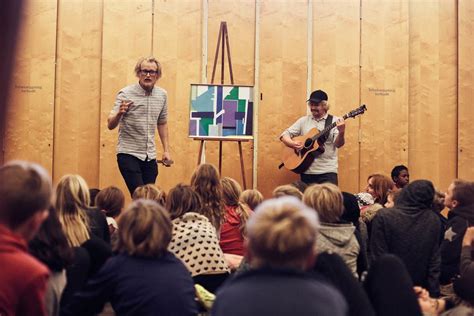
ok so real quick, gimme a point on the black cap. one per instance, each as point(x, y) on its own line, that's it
point(318, 96)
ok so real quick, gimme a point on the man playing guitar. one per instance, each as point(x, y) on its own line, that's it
point(324, 167)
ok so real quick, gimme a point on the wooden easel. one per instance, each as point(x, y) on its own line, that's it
point(223, 40)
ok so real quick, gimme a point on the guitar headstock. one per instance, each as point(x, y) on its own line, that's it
point(360, 110)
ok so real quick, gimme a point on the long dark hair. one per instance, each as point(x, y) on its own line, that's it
point(50, 245)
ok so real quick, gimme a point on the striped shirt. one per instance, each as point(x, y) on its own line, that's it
point(137, 126)
point(327, 162)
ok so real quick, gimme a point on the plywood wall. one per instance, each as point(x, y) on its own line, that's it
point(335, 63)
point(465, 84)
point(30, 115)
point(417, 82)
point(384, 87)
point(77, 90)
point(433, 92)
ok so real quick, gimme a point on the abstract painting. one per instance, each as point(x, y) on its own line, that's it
point(221, 111)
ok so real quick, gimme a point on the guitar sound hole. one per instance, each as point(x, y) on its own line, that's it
point(308, 143)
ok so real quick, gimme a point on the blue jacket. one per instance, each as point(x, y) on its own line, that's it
point(138, 286)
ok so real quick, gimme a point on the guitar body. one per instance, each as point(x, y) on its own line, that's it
point(300, 160)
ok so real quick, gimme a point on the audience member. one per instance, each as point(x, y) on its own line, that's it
point(206, 182)
point(150, 192)
point(77, 218)
point(411, 231)
point(111, 202)
point(334, 235)
point(438, 207)
point(194, 239)
point(281, 247)
point(378, 186)
point(86, 231)
point(50, 246)
point(460, 201)
point(251, 197)
point(235, 218)
point(144, 278)
point(332, 268)
point(400, 176)
point(390, 288)
point(391, 198)
point(351, 214)
point(287, 190)
point(25, 193)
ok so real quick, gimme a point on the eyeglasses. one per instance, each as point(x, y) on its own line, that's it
point(145, 72)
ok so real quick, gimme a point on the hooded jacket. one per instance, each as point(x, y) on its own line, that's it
point(340, 239)
point(459, 219)
point(411, 231)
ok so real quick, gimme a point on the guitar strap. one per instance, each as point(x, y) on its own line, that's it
point(328, 122)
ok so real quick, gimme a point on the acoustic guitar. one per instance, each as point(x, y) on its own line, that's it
point(300, 160)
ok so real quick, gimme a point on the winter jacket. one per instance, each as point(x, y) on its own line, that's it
point(411, 231)
point(340, 239)
point(459, 219)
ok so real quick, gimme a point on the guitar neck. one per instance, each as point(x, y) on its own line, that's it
point(327, 129)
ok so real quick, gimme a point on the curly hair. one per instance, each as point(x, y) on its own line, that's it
point(206, 183)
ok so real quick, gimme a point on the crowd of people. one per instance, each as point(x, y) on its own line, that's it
point(209, 247)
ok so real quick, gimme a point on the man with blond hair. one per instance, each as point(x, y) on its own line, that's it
point(281, 247)
point(139, 109)
point(25, 193)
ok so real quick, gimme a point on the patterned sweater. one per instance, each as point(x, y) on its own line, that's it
point(195, 243)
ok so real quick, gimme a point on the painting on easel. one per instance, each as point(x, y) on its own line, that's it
point(221, 111)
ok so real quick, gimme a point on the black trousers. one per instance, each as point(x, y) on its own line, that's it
point(136, 172)
point(330, 177)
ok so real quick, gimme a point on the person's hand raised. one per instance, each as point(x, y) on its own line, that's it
point(125, 106)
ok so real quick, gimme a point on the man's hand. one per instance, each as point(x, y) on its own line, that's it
point(124, 107)
point(297, 145)
point(341, 125)
point(166, 158)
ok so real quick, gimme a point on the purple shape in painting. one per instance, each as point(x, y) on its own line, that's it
point(192, 128)
point(230, 107)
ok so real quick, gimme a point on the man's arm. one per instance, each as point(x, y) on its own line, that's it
point(163, 132)
point(341, 127)
point(287, 136)
point(288, 141)
point(114, 118)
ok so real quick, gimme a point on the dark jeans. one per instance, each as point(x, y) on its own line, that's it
point(330, 177)
point(136, 172)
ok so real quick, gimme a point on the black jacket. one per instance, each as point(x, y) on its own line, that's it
point(411, 231)
point(459, 219)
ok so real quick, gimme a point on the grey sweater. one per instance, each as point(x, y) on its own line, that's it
point(340, 239)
